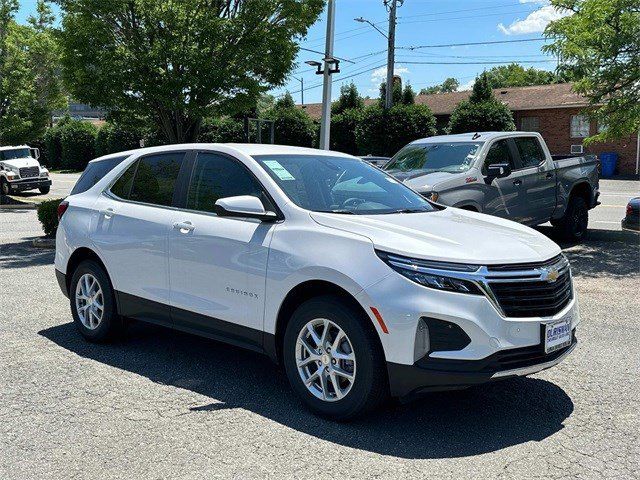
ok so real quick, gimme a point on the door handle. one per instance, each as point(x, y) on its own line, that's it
point(517, 183)
point(184, 227)
point(108, 213)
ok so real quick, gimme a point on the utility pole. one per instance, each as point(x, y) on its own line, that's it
point(391, 6)
point(329, 61)
point(301, 80)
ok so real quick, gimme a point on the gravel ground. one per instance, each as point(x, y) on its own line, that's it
point(168, 405)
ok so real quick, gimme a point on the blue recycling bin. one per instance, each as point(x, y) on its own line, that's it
point(609, 162)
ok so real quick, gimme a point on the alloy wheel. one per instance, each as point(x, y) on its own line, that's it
point(325, 360)
point(89, 301)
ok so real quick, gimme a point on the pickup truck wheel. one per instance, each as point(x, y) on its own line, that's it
point(44, 190)
point(334, 363)
point(4, 187)
point(573, 226)
point(93, 304)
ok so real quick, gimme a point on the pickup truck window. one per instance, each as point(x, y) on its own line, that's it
point(531, 155)
point(499, 153)
point(435, 157)
point(340, 185)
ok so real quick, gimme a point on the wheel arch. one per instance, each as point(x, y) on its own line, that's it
point(582, 189)
point(297, 296)
point(78, 256)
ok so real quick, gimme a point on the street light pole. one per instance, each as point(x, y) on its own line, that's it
point(392, 4)
point(325, 125)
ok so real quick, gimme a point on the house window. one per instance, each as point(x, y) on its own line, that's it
point(530, 124)
point(602, 127)
point(579, 126)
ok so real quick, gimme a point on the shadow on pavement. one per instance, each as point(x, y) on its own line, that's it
point(23, 254)
point(603, 253)
point(443, 425)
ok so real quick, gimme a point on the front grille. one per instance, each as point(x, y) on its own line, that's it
point(512, 267)
point(28, 172)
point(533, 298)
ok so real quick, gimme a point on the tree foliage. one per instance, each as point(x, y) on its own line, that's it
point(482, 112)
point(180, 61)
point(113, 137)
point(449, 85)
point(349, 98)
point(600, 48)
point(515, 75)
point(30, 87)
point(222, 130)
point(384, 132)
point(292, 125)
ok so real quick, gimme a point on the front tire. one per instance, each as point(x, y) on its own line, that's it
point(4, 187)
point(93, 303)
point(573, 225)
point(334, 360)
point(44, 190)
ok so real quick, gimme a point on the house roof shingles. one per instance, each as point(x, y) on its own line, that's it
point(517, 98)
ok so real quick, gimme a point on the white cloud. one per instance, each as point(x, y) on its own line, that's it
point(379, 75)
point(543, 2)
point(467, 86)
point(535, 22)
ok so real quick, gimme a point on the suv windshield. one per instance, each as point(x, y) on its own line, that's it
point(16, 153)
point(340, 185)
point(435, 157)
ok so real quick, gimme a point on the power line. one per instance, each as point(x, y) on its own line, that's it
point(522, 40)
point(462, 18)
point(477, 63)
point(322, 53)
point(485, 7)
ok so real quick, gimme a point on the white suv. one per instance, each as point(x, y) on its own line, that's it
point(359, 286)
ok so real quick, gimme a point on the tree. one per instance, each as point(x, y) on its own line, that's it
point(384, 132)
point(408, 96)
point(482, 112)
point(349, 98)
point(396, 92)
point(599, 47)
point(515, 75)
point(292, 125)
point(179, 62)
point(449, 85)
point(30, 87)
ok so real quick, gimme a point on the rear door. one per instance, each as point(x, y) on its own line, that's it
point(130, 230)
point(503, 197)
point(217, 265)
point(538, 180)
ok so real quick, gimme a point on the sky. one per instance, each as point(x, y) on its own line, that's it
point(420, 23)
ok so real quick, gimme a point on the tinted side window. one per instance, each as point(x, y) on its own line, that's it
point(531, 154)
point(216, 176)
point(499, 153)
point(94, 173)
point(122, 187)
point(156, 177)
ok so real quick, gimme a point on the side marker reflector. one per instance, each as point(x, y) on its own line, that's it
point(376, 314)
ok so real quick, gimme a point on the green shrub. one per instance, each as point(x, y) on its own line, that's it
point(384, 132)
point(48, 216)
point(292, 125)
point(112, 138)
point(53, 144)
point(482, 112)
point(343, 130)
point(221, 130)
point(78, 144)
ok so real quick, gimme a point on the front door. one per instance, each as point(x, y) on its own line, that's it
point(503, 197)
point(217, 265)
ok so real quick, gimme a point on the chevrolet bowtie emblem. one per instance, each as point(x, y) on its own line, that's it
point(552, 275)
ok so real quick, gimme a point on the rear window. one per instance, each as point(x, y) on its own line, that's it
point(95, 172)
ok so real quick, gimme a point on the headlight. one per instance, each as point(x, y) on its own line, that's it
point(433, 196)
point(432, 274)
point(12, 175)
point(44, 174)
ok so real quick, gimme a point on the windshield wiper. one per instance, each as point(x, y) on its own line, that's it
point(342, 212)
point(410, 210)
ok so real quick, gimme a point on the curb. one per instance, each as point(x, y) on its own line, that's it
point(44, 243)
point(25, 206)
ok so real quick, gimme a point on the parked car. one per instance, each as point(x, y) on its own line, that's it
point(377, 161)
point(20, 170)
point(631, 221)
point(358, 285)
point(507, 174)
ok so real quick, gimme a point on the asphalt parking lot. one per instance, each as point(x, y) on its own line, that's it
point(167, 405)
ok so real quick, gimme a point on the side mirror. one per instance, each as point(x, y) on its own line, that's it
point(36, 153)
point(498, 170)
point(245, 206)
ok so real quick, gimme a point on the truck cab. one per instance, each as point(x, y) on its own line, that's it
point(20, 170)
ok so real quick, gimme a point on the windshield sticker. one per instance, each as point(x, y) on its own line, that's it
point(279, 170)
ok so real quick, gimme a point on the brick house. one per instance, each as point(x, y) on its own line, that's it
point(552, 110)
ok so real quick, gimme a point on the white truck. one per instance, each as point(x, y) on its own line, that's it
point(20, 170)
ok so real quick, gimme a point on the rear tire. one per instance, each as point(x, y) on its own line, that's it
point(44, 190)
point(93, 303)
point(572, 227)
point(368, 388)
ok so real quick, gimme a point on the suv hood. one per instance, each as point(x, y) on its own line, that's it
point(451, 235)
point(20, 162)
point(420, 181)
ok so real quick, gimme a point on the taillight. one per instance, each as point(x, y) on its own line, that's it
point(62, 208)
point(629, 209)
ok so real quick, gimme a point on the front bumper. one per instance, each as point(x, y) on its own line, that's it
point(62, 282)
point(430, 375)
point(29, 184)
point(632, 224)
